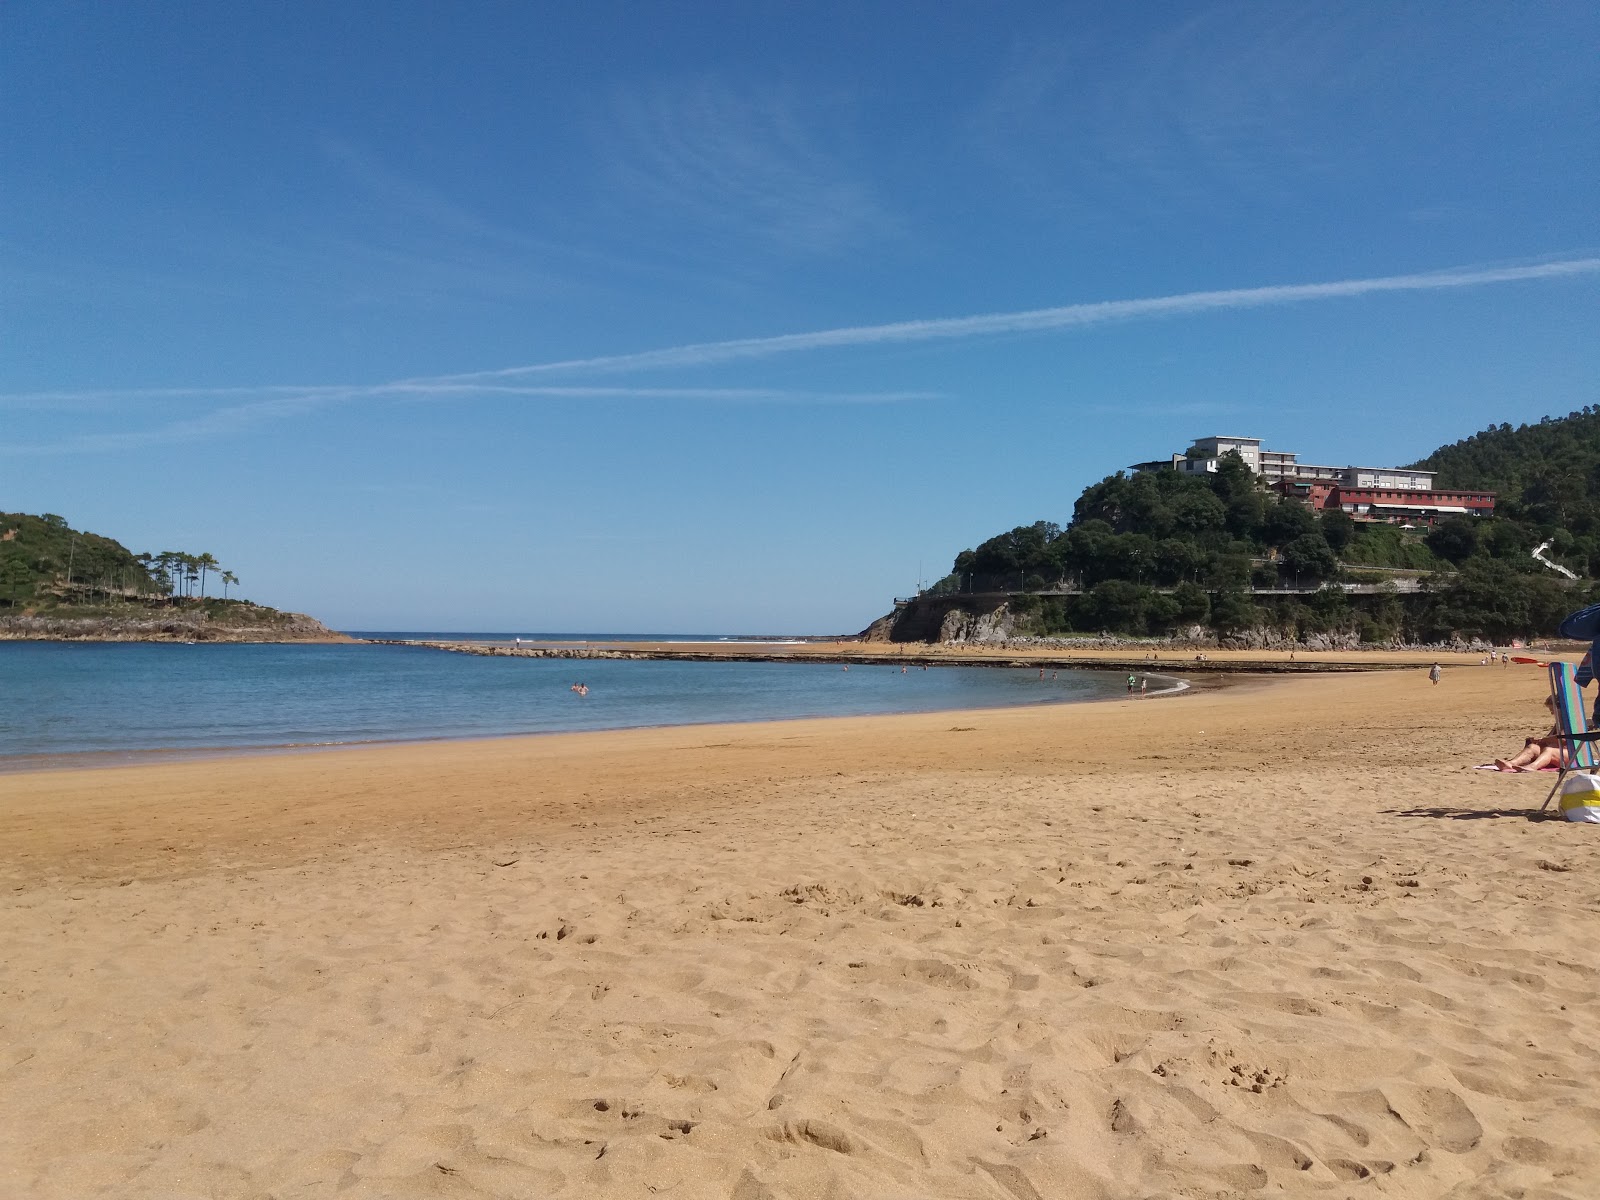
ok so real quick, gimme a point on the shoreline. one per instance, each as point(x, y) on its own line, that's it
point(99, 760)
point(411, 767)
point(1221, 669)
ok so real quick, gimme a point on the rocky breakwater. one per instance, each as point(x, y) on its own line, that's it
point(488, 650)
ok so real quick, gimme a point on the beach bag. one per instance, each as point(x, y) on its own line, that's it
point(1580, 798)
point(1581, 626)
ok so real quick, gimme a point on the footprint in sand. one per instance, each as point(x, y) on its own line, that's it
point(1438, 1116)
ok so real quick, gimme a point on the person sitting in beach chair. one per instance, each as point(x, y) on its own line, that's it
point(1537, 753)
point(1578, 784)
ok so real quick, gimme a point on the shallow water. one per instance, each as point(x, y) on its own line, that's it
point(92, 698)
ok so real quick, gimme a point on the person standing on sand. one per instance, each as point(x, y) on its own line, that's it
point(1434, 674)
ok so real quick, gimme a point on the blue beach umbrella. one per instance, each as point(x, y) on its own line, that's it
point(1584, 626)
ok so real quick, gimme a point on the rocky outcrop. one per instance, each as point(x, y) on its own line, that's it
point(881, 630)
point(968, 621)
point(990, 628)
point(1269, 638)
point(941, 619)
point(147, 625)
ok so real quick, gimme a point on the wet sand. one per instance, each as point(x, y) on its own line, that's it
point(1274, 938)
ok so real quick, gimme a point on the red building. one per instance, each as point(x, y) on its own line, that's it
point(1399, 506)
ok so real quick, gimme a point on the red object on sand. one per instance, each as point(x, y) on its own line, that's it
point(1518, 658)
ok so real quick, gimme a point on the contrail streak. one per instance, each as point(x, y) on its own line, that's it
point(254, 405)
point(277, 403)
point(1038, 319)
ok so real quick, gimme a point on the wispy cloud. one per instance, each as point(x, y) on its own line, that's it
point(252, 406)
point(447, 388)
point(269, 404)
point(743, 166)
point(1199, 408)
point(1224, 103)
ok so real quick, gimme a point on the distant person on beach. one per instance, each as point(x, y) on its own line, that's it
point(1435, 673)
point(1143, 683)
point(1131, 682)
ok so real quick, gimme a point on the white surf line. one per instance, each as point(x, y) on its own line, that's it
point(1178, 685)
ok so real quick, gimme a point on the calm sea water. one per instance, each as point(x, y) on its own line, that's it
point(76, 698)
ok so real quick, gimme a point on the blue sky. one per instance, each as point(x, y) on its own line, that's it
point(501, 316)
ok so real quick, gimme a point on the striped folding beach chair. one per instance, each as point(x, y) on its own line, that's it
point(1572, 727)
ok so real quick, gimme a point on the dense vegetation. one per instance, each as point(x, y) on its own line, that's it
point(1548, 479)
point(1159, 550)
point(44, 563)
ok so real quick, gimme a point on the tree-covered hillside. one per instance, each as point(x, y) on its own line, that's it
point(44, 562)
point(1159, 550)
point(1548, 479)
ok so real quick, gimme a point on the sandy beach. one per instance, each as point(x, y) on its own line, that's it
point(1275, 938)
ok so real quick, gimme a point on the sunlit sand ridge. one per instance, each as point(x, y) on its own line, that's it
point(1268, 939)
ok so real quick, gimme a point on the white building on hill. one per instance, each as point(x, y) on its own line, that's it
point(1275, 465)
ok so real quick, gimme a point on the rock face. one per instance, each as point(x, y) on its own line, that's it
point(957, 620)
point(939, 619)
point(981, 628)
point(259, 625)
point(881, 630)
point(1270, 638)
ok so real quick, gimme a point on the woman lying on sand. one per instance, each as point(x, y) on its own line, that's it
point(1537, 753)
